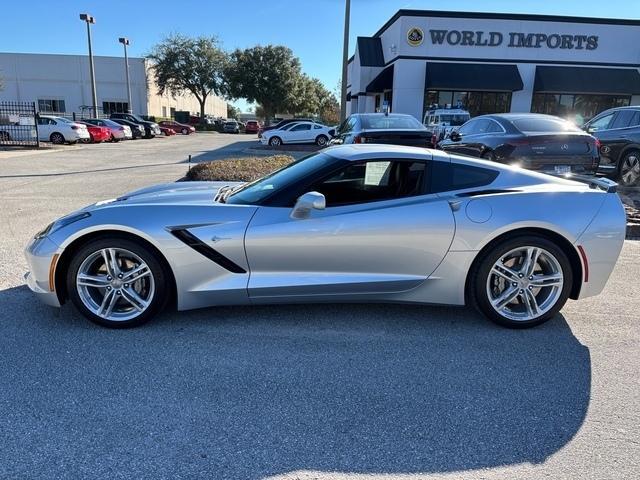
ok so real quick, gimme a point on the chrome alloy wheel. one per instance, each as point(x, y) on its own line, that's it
point(525, 283)
point(630, 169)
point(115, 284)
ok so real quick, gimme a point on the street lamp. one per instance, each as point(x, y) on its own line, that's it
point(345, 57)
point(125, 41)
point(85, 17)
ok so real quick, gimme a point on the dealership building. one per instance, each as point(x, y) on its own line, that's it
point(61, 84)
point(574, 67)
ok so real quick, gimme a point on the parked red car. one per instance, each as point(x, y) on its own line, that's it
point(166, 131)
point(184, 129)
point(97, 134)
point(252, 127)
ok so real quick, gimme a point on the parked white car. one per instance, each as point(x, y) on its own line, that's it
point(61, 130)
point(299, 132)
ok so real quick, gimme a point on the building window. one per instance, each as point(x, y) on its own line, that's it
point(164, 112)
point(51, 106)
point(477, 103)
point(115, 107)
point(577, 108)
point(172, 111)
point(388, 99)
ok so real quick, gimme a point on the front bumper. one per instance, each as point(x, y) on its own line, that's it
point(39, 254)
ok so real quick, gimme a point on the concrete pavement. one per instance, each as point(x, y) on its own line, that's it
point(345, 391)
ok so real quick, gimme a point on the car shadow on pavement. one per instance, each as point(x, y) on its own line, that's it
point(253, 392)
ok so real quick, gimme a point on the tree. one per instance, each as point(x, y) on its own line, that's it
point(195, 65)
point(268, 75)
point(232, 111)
point(259, 112)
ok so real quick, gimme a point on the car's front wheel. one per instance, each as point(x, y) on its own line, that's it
point(185, 131)
point(117, 282)
point(275, 141)
point(521, 282)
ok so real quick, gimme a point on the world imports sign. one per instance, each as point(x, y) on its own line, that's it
point(513, 39)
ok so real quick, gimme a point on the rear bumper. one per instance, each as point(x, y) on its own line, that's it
point(602, 242)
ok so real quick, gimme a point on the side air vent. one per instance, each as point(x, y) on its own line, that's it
point(202, 248)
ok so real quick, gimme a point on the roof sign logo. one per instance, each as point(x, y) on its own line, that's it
point(415, 36)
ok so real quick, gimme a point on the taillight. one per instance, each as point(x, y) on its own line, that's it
point(598, 144)
point(121, 129)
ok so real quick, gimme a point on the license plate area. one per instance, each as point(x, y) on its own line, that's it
point(561, 169)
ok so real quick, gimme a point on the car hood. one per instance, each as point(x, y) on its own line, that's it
point(177, 193)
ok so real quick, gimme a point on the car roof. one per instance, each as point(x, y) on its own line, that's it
point(520, 116)
point(444, 111)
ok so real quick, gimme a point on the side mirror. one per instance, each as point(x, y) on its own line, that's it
point(455, 136)
point(307, 202)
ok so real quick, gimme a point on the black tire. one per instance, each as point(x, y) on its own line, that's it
point(184, 131)
point(275, 141)
point(480, 271)
point(114, 139)
point(629, 159)
point(160, 277)
point(57, 138)
point(321, 140)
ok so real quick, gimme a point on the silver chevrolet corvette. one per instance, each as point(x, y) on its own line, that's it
point(361, 223)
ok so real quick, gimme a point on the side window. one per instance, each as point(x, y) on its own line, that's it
point(373, 181)
point(288, 126)
point(624, 119)
point(601, 123)
point(317, 127)
point(494, 127)
point(483, 125)
point(301, 127)
point(469, 127)
point(453, 176)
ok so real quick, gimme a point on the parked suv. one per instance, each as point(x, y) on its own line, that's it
point(618, 130)
point(441, 121)
point(151, 129)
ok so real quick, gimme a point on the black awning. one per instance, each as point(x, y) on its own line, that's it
point(348, 96)
point(384, 81)
point(586, 80)
point(370, 52)
point(473, 76)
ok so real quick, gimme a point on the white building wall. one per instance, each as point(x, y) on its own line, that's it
point(30, 77)
point(521, 100)
point(408, 87)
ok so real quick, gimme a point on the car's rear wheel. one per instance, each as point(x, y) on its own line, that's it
point(117, 282)
point(275, 141)
point(629, 169)
point(321, 140)
point(185, 131)
point(521, 282)
point(57, 138)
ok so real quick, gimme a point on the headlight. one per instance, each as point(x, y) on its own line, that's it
point(61, 223)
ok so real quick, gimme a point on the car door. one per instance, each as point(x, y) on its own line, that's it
point(45, 128)
point(599, 127)
point(622, 132)
point(465, 143)
point(381, 232)
point(299, 133)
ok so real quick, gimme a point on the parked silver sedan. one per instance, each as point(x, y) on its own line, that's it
point(355, 223)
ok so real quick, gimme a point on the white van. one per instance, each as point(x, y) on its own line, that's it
point(440, 121)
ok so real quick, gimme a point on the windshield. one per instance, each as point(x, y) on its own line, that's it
point(454, 120)
point(259, 190)
point(110, 123)
point(390, 122)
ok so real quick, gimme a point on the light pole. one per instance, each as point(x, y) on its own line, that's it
point(89, 20)
point(345, 59)
point(125, 41)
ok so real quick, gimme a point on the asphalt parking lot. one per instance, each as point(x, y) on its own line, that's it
point(309, 392)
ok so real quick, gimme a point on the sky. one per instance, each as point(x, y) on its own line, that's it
point(313, 29)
